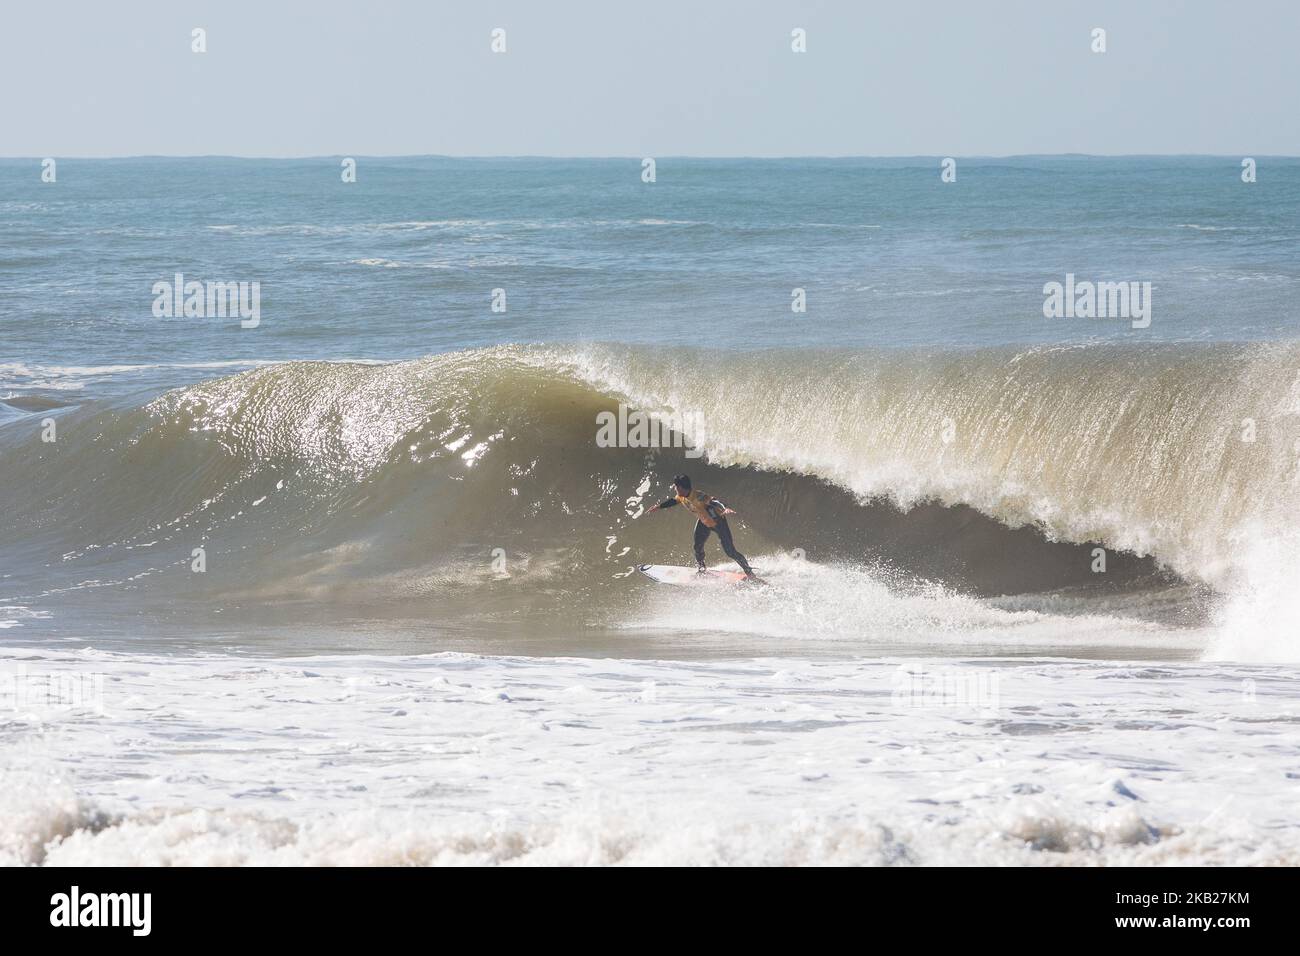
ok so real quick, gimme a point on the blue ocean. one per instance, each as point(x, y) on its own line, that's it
point(401, 262)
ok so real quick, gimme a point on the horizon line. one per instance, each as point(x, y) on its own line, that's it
point(638, 158)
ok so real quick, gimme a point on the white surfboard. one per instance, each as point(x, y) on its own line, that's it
point(670, 574)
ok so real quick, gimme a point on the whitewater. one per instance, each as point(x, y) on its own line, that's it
point(465, 759)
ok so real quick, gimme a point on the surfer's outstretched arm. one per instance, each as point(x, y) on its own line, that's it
point(667, 503)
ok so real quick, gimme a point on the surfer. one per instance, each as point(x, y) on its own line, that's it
point(711, 515)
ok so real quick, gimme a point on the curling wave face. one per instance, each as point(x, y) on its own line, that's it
point(896, 494)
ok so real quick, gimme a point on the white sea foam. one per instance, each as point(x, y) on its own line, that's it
point(863, 606)
point(13, 615)
point(463, 759)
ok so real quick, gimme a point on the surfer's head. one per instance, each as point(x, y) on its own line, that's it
point(683, 483)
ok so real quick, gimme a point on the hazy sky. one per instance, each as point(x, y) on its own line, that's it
point(662, 78)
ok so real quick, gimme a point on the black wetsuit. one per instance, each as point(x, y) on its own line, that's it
point(715, 509)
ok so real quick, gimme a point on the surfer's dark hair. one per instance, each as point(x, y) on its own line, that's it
point(683, 481)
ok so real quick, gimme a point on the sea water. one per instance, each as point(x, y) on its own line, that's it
point(302, 530)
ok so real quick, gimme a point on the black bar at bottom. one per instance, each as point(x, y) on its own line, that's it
point(338, 906)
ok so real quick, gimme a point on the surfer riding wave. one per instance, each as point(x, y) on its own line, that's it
point(711, 515)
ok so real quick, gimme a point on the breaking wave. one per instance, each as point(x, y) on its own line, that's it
point(469, 486)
